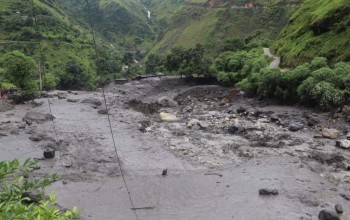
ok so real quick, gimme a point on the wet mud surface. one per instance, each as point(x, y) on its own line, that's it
point(219, 147)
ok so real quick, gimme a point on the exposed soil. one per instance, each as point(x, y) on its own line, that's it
point(219, 147)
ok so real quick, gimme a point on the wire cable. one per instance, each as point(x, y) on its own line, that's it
point(108, 115)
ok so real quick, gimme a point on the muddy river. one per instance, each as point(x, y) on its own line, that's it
point(219, 148)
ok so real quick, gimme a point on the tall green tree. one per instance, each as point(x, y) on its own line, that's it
point(20, 70)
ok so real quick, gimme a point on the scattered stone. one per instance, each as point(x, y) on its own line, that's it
point(38, 117)
point(274, 118)
point(295, 126)
point(330, 133)
point(73, 100)
point(344, 144)
point(167, 102)
point(29, 122)
point(49, 153)
point(328, 215)
point(339, 208)
point(348, 136)
point(46, 95)
point(268, 192)
point(167, 117)
point(102, 110)
point(165, 172)
point(92, 101)
point(236, 129)
point(62, 95)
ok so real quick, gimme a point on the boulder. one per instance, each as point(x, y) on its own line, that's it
point(312, 120)
point(62, 95)
point(241, 110)
point(295, 126)
point(196, 122)
point(102, 110)
point(330, 133)
point(37, 117)
point(328, 215)
point(49, 153)
point(237, 129)
point(344, 144)
point(92, 101)
point(40, 137)
point(167, 117)
point(268, 192)
point(167, 102)
point(339, 208)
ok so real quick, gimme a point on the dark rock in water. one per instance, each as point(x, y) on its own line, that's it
point(236, 129)
point(268, 192)
point(102, 110)
point(37, 117)
point(73, 100)
point(241, 110)
point(165, 172)
point(92, 101)
point(295, 126)
point(339, 208)
point(328, 215)
point(49, 153)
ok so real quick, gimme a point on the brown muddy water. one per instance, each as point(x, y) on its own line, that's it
point(214, 172)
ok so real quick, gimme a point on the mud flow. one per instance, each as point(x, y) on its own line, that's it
point(227, 156)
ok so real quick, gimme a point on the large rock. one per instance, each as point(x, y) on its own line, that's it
point(102, 110)
point(330, 133)
point(167, 102)
point(92, 101)
point(38, 117)
point(328, 215)
point(295, 126)
point(344, 144)
point(167, 117)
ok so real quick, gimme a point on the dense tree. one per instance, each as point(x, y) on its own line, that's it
point(154, 64)
point(20, 70)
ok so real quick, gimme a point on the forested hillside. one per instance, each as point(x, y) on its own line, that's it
point(317, 28)
point(186, 23)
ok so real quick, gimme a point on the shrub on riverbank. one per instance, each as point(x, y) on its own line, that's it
point(17, 197)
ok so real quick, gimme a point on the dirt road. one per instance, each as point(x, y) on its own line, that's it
point(219, 149)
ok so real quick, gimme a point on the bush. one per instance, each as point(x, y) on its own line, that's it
point(20, 70)
point(16, 186)
point(327, 95)
point(50, 81)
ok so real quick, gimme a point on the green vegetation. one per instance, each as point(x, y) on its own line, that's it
point(16, 194)
point(20, 70)
point(186, 23)
point(317, 28)
point(180, 61)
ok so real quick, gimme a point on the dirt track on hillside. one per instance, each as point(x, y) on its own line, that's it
point(219, 151)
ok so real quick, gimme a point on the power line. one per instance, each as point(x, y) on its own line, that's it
point(42, 67)
point(108, 115)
